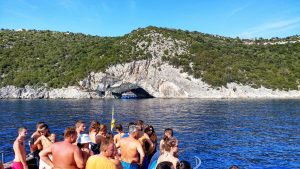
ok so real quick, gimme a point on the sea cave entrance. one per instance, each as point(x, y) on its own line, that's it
point(128, 91)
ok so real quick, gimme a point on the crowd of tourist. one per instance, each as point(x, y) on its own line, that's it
point(99, 149)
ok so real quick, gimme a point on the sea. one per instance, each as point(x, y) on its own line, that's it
point(212, 133)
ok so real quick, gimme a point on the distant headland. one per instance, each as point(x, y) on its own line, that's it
point(150, 62)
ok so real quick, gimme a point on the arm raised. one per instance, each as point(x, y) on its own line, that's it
point(44, 154)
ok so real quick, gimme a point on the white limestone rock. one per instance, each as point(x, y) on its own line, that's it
point(9, 92)
point(166, 81)
point(71, 92)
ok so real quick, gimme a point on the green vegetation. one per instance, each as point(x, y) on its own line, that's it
point(57, 59)
point(54, 58)
point(220, 60)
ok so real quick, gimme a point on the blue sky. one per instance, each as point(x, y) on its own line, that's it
point(243, 18)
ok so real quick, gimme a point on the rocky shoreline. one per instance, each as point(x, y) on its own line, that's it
point(164, 81)
point(73, 92)
point(28, 92)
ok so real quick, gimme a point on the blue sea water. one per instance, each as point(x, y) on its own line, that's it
point(248, 133)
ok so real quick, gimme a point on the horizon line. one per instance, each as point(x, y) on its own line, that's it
point(170, 28)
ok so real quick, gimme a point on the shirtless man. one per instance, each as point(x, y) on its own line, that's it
point(35, 148)
point(46, 139)
point(19, 149)
point(65, 155)
point(80, 127)
point(132, 153)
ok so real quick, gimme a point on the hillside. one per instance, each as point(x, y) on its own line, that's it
point(61, 59)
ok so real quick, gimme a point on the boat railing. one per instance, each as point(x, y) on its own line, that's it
point(2, 156)
point(198, 162)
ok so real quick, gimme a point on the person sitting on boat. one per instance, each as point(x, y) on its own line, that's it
point(64, 154)
point(46, 139)
point(132, 153)
point(170, 150)
point(143, 139)
point(19, 161)
point(168, 133)
point(95, 138)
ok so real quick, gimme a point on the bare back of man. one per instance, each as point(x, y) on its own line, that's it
point(65, 155)
point(129, 150)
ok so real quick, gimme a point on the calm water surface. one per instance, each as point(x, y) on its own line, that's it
point(248, 133)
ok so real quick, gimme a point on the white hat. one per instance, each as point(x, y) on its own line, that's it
point(84, 138)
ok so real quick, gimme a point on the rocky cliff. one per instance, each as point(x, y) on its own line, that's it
point(164, 81)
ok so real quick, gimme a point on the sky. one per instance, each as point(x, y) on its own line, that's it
point(232, 18)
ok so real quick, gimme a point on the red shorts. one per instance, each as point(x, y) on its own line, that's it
point(17, 165)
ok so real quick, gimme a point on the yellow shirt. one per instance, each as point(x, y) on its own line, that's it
point(97, 162)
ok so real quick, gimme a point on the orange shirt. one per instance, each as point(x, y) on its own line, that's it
point(96, 161)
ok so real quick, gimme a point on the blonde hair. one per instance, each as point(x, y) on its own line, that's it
point(21, 129)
